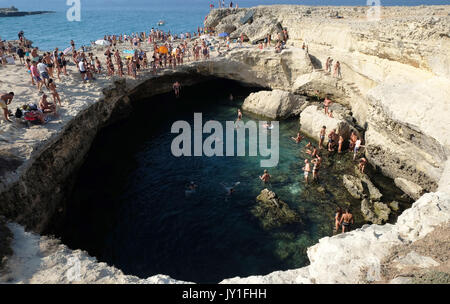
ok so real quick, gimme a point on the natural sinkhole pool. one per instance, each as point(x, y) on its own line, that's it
point(129, 207)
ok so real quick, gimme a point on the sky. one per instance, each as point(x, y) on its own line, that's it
point(60, 5)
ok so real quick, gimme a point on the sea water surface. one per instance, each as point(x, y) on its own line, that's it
point(104, 17)
point(129, 207)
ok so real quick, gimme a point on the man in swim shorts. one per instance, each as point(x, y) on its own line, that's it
point(265, 177)
point(306, 170)
point(5, 100)
point(346, 220)
point(322, 136)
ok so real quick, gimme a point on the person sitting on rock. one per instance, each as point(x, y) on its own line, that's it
point(331, 140)
point(346, 220)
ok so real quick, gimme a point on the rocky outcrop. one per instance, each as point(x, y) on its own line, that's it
point(411, 189)
point(395, 76)
point(312, 119)
point(274, 104)
point(273, 212)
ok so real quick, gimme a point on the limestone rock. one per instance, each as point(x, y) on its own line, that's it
point(353, 186)
point(413, 259)
point(394, 206)
point(312, 119)
point(274, 104)
point(273, 212)
point(411, 189)
point(382, 211)
point(374, 193)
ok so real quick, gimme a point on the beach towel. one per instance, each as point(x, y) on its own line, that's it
point(10, 60)
point(128, 51)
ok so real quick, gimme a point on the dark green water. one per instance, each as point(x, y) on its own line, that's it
point(129, 207)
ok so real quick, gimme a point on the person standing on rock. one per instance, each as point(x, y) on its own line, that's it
point(346, 220)
point(337, 219)
point(5, 100)
point(322, 136)
point(306, 170)
point(357, 147)
point(341, 141)
point(327, 64)
point(326, 104)
point(337, 70)
point(330, 65)
point(317, 162)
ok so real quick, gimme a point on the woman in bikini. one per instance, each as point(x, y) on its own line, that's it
point(337, 219)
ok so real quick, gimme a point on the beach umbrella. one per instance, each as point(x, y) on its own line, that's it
point(224, 34)
point(102, 42)
point(163, 50)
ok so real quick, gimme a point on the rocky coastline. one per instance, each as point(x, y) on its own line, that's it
point(403, 57)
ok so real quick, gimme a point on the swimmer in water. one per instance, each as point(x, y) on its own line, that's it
point(297, 139)
point(230, 190)
point(265, 177)
point(268, 125)
point(191, 188)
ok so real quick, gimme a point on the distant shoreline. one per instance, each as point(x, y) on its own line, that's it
point(22, 14)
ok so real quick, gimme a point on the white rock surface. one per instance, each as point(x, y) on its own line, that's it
point(312, 119)
point(276, 104)
point(411, 189)
point(413, 259)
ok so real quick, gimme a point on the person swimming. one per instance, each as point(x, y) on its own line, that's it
point(268, 125)
point(297, 139)
point(230, 190)
point(191, 188)
point(265, 177)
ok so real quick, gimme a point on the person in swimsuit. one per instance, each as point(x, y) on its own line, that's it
point(176, 89)
point(45, 106)
point(312, 152)
point(356, 149)
point(265, 177)
point(326, 104)
point(322, 136)
point(317, 161)
point(337, 219)
point(306, 170)
point(230, 190)
point(5, 100)
point(239, 115)
point(52, 88)
point(341, 141)
point(331, 142)
point(346, 220)
point(362, 164)
point(297, 139)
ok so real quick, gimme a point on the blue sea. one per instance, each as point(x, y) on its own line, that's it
point(100, 17)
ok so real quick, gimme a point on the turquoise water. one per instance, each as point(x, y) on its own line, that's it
point(100, 17)
point(129, 207)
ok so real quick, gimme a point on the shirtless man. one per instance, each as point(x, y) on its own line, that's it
point(362, 164)
point(46, 106)
point(297, 139)
point(346, 220)
point(326, 104)
point(176, 89)
point(337, 219)
point(52, 88)
point(322, 136)
point(265, 177)
point(317, 162)
point(306, 169)
point(341, 141)
point(312, 152)
point(331, 138)
point(5, 100)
